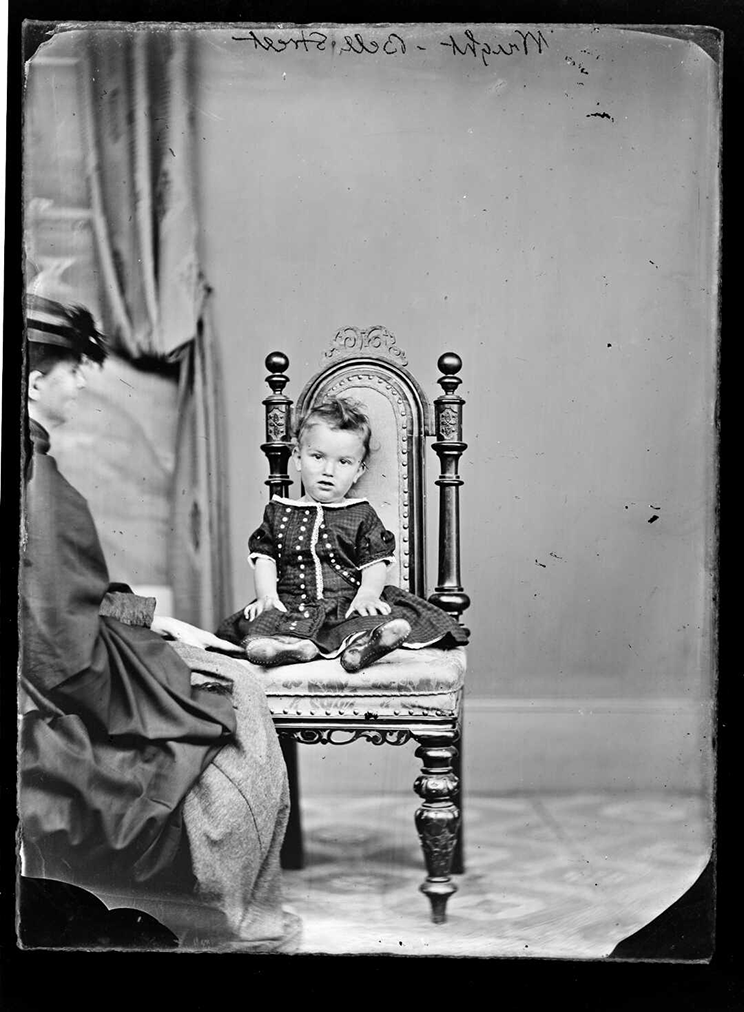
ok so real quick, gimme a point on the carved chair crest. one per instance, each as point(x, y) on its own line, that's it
point(352, 342)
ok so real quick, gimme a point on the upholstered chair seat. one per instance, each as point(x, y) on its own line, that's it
point(405, 683)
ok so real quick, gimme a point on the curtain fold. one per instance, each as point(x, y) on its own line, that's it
point(138, 115)
point(137, 110)
point(198, 559)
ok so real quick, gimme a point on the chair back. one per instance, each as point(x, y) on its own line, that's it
point(395, 480)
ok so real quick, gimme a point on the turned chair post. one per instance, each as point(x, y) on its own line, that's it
point(278, 448)
point(278, 425)
point(449, 594)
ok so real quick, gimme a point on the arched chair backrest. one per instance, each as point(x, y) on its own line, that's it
point(401, 417)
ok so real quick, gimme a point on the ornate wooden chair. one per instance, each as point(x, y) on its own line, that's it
point(409, 694)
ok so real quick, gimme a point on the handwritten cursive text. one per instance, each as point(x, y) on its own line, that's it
point(522, 43)
point(527, 44)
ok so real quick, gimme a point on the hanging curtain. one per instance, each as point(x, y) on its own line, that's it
point(137, 110)
point(198, 547)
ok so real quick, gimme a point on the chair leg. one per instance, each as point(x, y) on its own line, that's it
point(438, 818)
point(458, 859)
point(292, 857)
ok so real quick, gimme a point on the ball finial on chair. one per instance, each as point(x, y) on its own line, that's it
point(449, 363)
point(277, 361)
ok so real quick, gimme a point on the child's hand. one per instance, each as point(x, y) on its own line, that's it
point(265, 603)
point(367, 602)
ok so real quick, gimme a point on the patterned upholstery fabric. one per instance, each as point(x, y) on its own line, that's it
point(404, 683)
point(387, 473)
point(394, 466)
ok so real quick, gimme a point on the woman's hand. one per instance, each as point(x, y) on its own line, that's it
point(262, 604)
point(165, 625)
point(367, 602)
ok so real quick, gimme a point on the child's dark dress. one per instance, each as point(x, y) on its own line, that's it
point(320, 551)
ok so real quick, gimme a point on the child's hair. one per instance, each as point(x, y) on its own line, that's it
point(337, 413)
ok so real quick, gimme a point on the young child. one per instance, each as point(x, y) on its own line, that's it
point(321, 561)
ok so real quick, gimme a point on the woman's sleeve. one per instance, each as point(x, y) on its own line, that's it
point(374, 542)
point(262, 544)
point(127, 607)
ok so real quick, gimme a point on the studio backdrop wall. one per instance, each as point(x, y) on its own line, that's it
point(548, 210)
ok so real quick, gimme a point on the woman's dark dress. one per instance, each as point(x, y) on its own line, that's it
point(320, 551)
point(113, 736)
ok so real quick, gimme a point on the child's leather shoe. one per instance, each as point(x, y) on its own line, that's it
point(271, 651)
point(374, 644)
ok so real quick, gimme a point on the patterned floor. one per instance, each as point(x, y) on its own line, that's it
point(559, 876)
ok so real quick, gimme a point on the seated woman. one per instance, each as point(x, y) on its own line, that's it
point(145, 766)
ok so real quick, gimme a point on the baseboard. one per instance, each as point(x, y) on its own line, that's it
point(543, 745)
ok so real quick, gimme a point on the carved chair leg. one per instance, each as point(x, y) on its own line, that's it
point(292, 857)
point(458, 859)
point(438, 818)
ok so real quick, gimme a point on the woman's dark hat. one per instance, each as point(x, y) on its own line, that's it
point(71, 327)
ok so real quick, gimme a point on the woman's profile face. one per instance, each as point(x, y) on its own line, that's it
point(329, 460)
point(53, 394)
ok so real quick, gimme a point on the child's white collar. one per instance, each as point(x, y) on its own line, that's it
point(325, 505)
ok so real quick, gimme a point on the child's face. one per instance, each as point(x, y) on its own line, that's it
point(329, 461)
